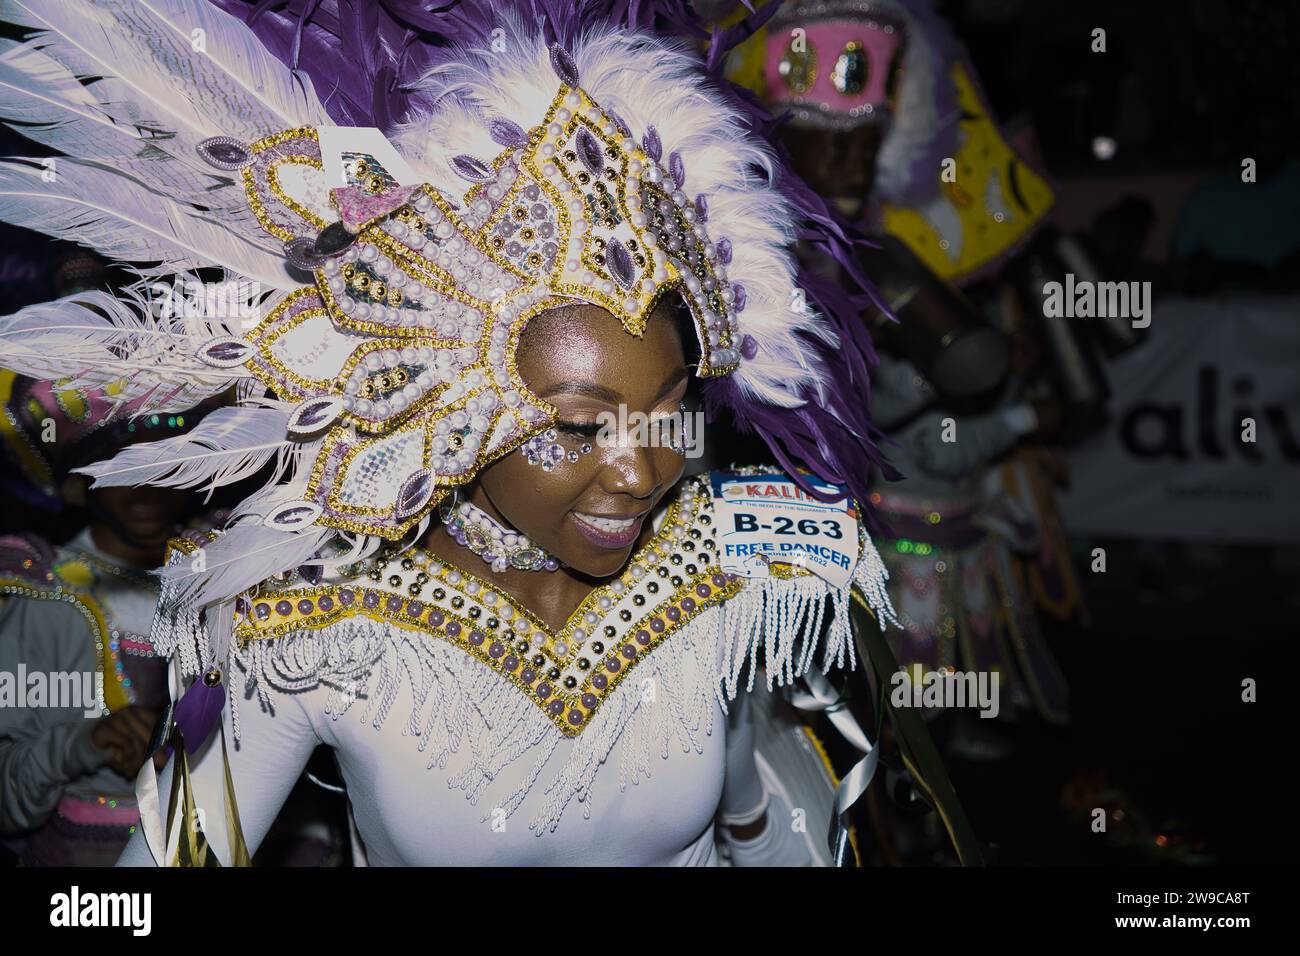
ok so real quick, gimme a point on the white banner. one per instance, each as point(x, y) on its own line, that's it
point(1178, 461)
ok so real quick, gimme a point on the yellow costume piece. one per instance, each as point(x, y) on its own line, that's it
point(993, 204)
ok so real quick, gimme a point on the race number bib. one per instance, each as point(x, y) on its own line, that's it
point(767, 518)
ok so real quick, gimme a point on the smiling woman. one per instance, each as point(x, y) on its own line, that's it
point(460, 577)
point(590, 512)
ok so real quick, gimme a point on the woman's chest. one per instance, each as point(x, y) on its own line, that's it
point(446, 763)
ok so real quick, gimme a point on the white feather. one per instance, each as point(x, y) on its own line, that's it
point(57, 109)
point(917, 130)
point(120, 219)
point(228, 445)
point(93, 340)
point(189, 65)
point(247, 553)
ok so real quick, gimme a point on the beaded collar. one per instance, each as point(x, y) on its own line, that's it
point(566, 672)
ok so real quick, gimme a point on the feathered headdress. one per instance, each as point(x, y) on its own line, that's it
point(376, 280)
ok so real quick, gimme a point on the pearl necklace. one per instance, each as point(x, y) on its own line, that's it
point(473, 528)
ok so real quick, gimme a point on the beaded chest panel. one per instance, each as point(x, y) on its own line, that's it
point(568, 672)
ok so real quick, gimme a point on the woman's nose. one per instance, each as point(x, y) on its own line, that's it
point(630, 470)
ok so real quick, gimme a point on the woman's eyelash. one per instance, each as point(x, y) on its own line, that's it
point(584, 429)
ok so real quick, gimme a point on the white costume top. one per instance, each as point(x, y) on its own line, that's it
point(469, 733)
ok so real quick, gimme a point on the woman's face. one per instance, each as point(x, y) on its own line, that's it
point(590, 513)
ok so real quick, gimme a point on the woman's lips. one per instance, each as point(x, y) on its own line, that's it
point(612, 533)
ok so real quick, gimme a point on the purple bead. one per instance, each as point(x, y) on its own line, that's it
point(544, 691)
point(651, 143)
point(305, 606)
point(370, 600)
point(643, 637)
point(599, 681)
point(718, 579)
point(471, 168)
point(436, 617)
point(658, 625)
point(703, 590)
point(325, 603)
point(527, 675)
point(263, 611)
point(612, 664)
point(677, 168)
point(415, 608)
point(738, 304)
point(674, 614)
point(620, 263)
point(225, 152)
point(702, 208)
point(476, 637)
point(576, 717)
point(629, 651)
point(283, 608)
point(555, 707)
point(589, 151)
point(346, 597)
point(453, 629)
point(724, 250)
point(394, 603)
point(413, 494)
point(563, 65)
point(506, 133)
point(748, 347)
point(688, 604)
point(510, 663)
point(496, 650)
point(589, 701)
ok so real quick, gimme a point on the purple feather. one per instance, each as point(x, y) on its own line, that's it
point(197, 712)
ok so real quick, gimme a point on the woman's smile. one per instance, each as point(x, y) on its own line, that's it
point(608, 532)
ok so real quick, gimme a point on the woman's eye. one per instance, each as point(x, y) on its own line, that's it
point(581, 429)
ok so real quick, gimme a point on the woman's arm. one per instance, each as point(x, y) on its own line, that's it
point(273, 749)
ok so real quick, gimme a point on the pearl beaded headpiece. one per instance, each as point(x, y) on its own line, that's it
point(405, 347)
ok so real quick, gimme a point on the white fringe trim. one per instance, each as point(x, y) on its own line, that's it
point(474, 724)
